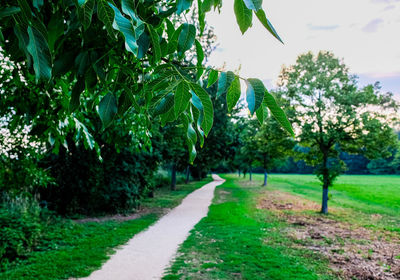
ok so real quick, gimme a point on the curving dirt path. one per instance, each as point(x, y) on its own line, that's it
point(150, 252)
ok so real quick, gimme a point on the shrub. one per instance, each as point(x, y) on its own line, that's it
point(86, 186)
point(20, 228)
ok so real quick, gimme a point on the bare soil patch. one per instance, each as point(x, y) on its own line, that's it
point(354, 252)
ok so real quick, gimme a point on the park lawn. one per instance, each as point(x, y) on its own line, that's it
point(358, 196)
point(72, 249)
point(239, 241)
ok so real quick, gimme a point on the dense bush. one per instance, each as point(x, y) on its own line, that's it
point(20, 229)
point(88, 186)
point(21, 176)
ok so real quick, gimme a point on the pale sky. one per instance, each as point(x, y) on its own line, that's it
point(365, 33)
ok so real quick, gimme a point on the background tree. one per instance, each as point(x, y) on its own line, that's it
point(173, 150)
point(272, 145)
point(333, 115)
point(248, 150)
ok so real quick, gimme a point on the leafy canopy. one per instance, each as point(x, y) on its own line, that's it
point(121, 58)
point(334, 115)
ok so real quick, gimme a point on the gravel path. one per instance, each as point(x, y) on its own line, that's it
point(150, 252)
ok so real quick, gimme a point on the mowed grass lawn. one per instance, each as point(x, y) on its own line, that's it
point(359, 195)
point(241, 239)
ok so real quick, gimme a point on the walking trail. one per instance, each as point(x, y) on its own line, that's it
point(150, 252)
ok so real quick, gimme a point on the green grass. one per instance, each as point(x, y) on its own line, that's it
point(358, 195)
point(75, 250)
point(238, 241)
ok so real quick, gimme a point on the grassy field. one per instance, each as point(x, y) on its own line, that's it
point(238, 241)
point(360, 195)
point(71, 249)
point(276, 232)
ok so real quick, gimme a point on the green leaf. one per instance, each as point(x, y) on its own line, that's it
point(127, 29)
point(55, 29)
point(190, 137)
point(143, 43)
point(198, 118)
point(186, 38)
point(81, 2)
point(212, 78)
point(126, 101)
point(233, 94)
point(82, 63)
point(206, 5)
point(168, 117)
point(201, 17)
point(254, 94)
point(262, 112)
point(88, 138)
point(267, 24)
point(75, 95)
point(165, 104)
point(254, 5)
point(9, 11)
point(155, 41)
point(166, 14)
point(183, 5)
point(128, 7)
point(23, 41)
point(277, 112)
point(106, 14)
point(85, 13)
point(182, 98)
point(37, 4)
point(170, 28)
point(108, 109)
point(224, 82)
point(26, 11)
point(39, 50)
point(173, 41)
point(207, 107)
point(244, 15)
point(200, 58)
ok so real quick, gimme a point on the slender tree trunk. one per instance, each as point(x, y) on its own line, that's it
point(324, 209)
point(239, 172)
point(265, 170)
point(173, 177)
point(251, 173)
point(265, 177)
point(325, 187)
point(187, 175)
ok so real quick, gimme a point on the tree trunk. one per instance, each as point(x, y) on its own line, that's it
point(324, 209)
point(173, 177)
point(325, 187)
point(251, 173)
point(239, 172)
point(265, 177)
point(187, 175)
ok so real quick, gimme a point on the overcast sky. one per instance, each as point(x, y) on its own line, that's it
point(365, 33)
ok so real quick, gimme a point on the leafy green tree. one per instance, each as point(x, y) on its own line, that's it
point(333, 115)
point(118, 58)
point(246, 155)
point(272, 145)
point(172, 147)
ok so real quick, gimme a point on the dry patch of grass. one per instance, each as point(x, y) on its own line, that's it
point(353, 251)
